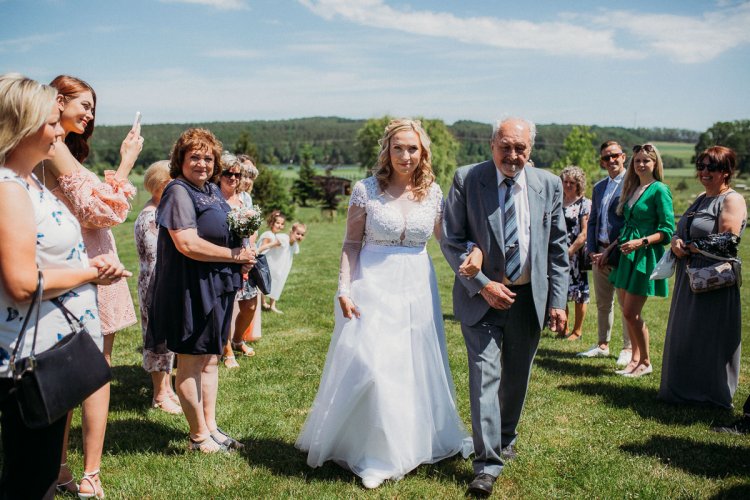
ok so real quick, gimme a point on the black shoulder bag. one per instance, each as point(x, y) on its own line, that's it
point(49, 384)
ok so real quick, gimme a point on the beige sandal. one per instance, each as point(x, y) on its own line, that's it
point(231, 362)
point(167, 406)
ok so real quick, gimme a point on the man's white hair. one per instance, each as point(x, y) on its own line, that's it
point(529, 124)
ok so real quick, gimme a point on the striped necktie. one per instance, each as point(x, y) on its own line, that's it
point(510, 231)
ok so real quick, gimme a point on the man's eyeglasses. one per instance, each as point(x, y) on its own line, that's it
point(610, 156)
point(711, 167)
point(227, 173)
point(649, 148)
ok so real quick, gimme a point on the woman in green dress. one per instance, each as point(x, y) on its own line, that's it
point(646, 204)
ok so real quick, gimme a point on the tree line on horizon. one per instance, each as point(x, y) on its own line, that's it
point(332, 141)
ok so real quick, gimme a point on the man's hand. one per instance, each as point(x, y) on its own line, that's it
point(596, 258)
point(558, 320)
point(497, 295)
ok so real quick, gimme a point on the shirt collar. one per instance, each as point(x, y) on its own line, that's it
point(617, 179)
point(520, 177)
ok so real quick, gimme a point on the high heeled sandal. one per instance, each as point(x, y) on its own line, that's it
point(69, 486)
point(242, 347)
point(98, 492)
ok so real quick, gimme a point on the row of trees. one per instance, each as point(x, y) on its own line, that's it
point(333, 141)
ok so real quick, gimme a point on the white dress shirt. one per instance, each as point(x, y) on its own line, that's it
point(521, 200)
point(609, 193)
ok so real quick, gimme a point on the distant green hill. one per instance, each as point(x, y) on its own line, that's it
point(332, 140)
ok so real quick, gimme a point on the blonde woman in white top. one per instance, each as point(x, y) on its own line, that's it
point(37, 232)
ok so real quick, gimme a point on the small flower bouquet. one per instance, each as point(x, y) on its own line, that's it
point(244, 221)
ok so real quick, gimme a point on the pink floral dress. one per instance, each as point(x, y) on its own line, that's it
point(98, 206)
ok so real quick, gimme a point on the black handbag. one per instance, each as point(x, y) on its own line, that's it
point(614, 256)
point(51, 383)
point(584, 260)
point(260, 274)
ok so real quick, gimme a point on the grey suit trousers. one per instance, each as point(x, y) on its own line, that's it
point(500, 348)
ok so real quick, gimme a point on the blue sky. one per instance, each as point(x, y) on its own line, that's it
point(643, 63)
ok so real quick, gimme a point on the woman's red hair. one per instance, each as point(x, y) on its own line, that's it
point(71, 87)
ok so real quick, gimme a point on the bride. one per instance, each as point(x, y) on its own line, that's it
point(386, 399)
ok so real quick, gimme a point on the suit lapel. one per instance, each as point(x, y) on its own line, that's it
point(491, 202)
point(536, 206)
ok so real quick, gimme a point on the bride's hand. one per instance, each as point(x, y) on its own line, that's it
point(472, 264)
point(348, 308)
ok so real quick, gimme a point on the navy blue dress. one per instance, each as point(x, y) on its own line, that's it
point(192, 301)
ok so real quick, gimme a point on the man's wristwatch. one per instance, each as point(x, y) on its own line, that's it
point(645, 242)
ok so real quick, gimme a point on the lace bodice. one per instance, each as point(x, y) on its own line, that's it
point(396, 222)
point(376, 218)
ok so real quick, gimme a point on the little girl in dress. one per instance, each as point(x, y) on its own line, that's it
point(279, 249)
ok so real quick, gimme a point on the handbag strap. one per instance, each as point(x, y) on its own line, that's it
point(716, 257)
point(691, 215)
point(34, 307)
point(74, 323)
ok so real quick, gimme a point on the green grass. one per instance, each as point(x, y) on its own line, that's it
point(352, 172)
point(585, 432)
point(684, 150)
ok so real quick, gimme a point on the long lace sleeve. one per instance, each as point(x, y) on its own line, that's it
point(95, 203)
point(355, 233)
point(439, 206)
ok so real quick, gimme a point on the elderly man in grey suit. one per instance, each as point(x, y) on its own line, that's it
point(601, 236)
point(513, 212)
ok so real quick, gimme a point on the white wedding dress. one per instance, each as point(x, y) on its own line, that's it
point(386, 400)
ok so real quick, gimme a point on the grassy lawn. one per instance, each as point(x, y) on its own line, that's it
point(585, 432)
point(682, 150)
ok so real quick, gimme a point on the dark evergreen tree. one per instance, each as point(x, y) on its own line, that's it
point(305, 188)
point(246, 146)
point(271, 192)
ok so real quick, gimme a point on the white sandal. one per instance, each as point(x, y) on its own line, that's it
point(89, 476)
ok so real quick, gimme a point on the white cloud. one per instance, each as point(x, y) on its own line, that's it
point(26, 43)
point(549, 37)
point(219, 4)
point(233, 53)
point(687, 39)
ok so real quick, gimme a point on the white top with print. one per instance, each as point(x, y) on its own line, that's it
point(58, 245)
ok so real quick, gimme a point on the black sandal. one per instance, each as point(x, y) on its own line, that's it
point(229, 443)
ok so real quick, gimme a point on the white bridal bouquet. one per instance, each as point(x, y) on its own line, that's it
point(244, 221)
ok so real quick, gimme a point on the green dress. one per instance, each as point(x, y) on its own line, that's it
point(651, 213)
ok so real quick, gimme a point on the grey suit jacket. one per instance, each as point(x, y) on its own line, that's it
point(472, 214)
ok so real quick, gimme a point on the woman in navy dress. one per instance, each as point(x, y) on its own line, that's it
point(198, 271)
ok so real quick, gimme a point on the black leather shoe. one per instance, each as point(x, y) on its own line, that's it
point(481, 486)
point(508, 453)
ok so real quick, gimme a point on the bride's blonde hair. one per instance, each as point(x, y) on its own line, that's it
point(423, 176)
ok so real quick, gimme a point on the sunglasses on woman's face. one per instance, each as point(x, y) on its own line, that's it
point(711, 167)
point(645, 147)
point(227, 173)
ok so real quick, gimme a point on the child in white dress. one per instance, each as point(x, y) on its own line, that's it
point(280, 250)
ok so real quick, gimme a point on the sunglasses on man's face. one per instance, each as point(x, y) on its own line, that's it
point(645, 147)
point(711, 167)
point(236, 175)
point(610, 156)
